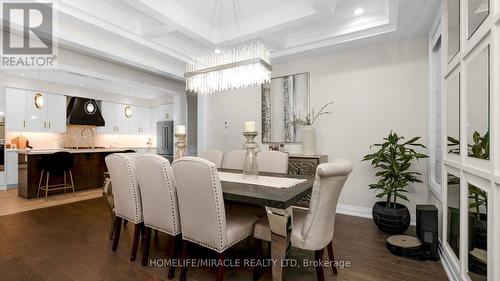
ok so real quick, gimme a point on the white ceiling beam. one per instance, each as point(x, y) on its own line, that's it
point(168, 12)
point(101, 24)
point(154, 32)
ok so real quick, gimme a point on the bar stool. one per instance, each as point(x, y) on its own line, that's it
point(56, 164)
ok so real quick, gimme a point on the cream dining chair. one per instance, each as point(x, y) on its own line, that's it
point(273, 162)
point(159, 202)
point(204, 220)
point(213, 155)
point(127, 196)
point(313, 228)
point(234, 160)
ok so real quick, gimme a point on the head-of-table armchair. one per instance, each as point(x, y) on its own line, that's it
point(312, 229)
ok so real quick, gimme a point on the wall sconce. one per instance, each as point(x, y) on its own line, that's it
point(128, 111)
point(38, 100)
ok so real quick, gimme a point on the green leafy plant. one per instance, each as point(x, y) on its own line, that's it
point(477, 198)
point(393, 159)
point(480, 148)
point(311, 116)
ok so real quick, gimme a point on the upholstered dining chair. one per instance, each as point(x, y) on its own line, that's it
point(159, 201)
point(213, 155)
point(313, 228)
point(234, 160)
point(273, 162)
point(126, 195)
point(204, 220)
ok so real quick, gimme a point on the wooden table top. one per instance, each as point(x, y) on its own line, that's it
point(267, 196)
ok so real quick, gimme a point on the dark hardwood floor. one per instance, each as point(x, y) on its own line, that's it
point(70, 242)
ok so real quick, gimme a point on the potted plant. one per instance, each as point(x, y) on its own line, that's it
point(308, 131)
point(393, 160)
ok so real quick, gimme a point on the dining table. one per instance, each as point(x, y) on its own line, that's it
point(276, 199)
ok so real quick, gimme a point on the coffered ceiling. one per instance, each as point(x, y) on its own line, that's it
point(160, 36)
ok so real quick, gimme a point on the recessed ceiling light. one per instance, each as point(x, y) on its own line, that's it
point(81, 85)
point(359, 11)
point(217, 51)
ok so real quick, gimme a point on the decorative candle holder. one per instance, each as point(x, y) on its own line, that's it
point(250, 166)
point(180, 146)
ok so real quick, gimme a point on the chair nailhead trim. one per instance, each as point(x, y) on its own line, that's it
point(218, 204)
point(171, 197)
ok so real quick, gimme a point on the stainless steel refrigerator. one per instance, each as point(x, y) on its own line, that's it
point(165, 139)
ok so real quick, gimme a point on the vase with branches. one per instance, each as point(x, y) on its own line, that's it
point(312, 116)
point(308, 131)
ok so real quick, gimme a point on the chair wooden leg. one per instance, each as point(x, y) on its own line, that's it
point(39, 184)
point(113, 227)
point(47, 187)
point(174, 245)
point(116, 236)
point(72, 184)
point(318, 255)
point(135, 242)
point(183, 259)
point(146, 245)
point(332, 257)
point(258, 256)
point(220, 267)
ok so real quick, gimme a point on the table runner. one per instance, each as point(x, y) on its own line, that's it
point(276, 182)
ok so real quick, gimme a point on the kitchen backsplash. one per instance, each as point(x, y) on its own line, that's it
point(81, 136)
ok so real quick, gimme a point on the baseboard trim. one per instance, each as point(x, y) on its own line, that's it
point(363, 212)
point(447, 264)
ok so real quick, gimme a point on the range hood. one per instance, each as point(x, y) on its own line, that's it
point(83, 111)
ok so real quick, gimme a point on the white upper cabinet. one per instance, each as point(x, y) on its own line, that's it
point(21, 113)
point(140, 121)
point(37, 117)
point(56, 113)
point(15, 110)
point(117, 123)
point(108, 111)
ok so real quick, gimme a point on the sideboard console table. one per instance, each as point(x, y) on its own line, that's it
point(305, 165)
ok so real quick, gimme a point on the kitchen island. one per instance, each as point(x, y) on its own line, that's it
point(88, 170)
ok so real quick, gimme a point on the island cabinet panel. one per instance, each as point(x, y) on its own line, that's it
point(88, 173)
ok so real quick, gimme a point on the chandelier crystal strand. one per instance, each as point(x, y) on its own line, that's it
point(246, 66)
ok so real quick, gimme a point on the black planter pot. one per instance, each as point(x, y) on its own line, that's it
point(393, 220)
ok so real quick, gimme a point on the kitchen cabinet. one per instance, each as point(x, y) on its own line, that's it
point(56, 113)
point(11, 166)
point(37, 117)
point(140, 122)
point(114, 116)
point(117, 123)
point(15, 110)
point(21, 114)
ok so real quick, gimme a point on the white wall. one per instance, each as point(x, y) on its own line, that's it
point(375, 89)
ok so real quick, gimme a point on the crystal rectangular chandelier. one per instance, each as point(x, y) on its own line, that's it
point(246, 66)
